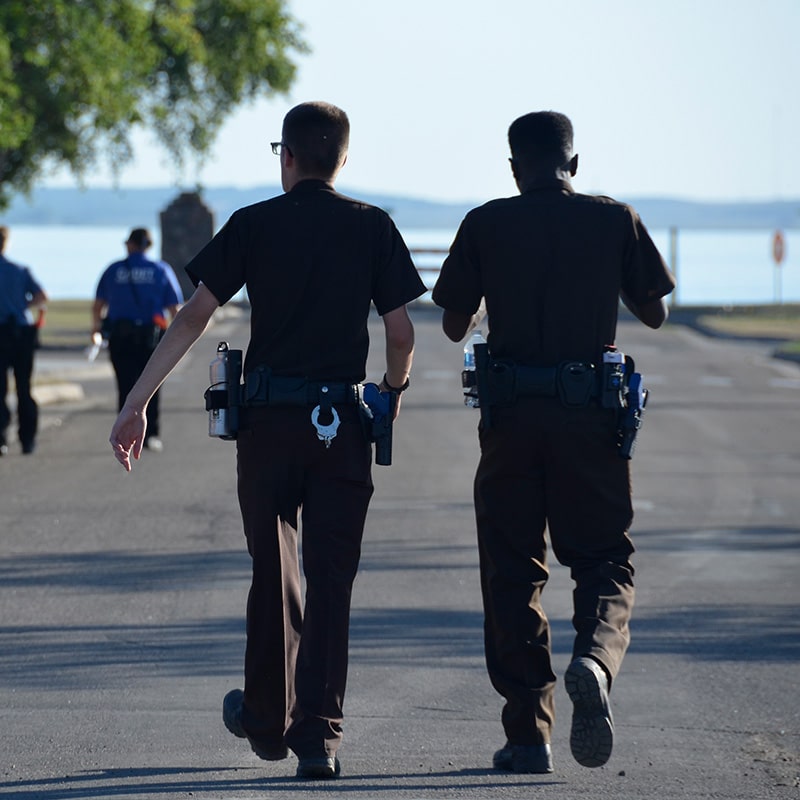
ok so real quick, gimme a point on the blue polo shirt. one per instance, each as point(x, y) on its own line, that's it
point(17, 288)
point(138, 289)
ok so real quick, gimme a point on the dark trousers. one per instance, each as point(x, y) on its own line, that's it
point(128, 357)
point(545, 466)
point(296, 655)
point(17, 355)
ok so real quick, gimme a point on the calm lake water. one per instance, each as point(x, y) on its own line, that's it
point(720, 267)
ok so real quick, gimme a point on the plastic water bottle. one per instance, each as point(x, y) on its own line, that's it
point(93, 350)
point(468, 380)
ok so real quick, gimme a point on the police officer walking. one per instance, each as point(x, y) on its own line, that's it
point(552, 266)
point(133, 302)
point(19, 293)
point(313, 261)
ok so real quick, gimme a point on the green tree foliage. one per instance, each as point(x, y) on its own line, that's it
point(77, 76)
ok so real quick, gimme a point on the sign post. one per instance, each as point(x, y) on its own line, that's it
point(778, 254)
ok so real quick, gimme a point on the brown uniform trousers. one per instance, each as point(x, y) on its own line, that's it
point(545, 465)
point(296, 657)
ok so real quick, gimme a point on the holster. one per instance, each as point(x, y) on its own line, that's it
point(482, 378)
point(377, 418)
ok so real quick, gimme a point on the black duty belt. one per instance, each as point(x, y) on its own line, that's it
point(261, 388)
point(536, 381)
point(574, 382)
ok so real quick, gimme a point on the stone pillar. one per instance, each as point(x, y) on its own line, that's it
point(187, 225)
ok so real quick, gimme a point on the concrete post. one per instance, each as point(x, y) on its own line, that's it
point(673, 261)
point(187, 225)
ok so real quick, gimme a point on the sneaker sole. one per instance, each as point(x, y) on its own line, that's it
point(592, 737)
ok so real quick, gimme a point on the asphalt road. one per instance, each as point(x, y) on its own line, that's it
point(122, 598)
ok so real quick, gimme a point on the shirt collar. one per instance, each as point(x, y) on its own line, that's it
point(550, 183)
point(311, 185)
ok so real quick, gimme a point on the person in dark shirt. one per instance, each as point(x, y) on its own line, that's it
point(551, 266)
point(313, 262)
point(19, 293)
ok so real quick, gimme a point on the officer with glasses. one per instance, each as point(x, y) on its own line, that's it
point(314, 262)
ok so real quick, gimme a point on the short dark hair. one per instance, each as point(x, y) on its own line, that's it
point(542, 136)
point(317, 134)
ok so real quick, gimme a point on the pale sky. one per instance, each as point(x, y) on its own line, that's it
point(695, 99)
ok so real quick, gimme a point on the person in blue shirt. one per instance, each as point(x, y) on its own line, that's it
point(19, 293)
point(134, 300)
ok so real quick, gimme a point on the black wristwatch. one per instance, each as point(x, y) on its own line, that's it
point(396, 390)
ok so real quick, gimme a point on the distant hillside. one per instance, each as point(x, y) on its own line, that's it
point(130, 207)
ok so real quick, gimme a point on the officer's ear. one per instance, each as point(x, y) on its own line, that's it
point(572, 166)
point(514, 168)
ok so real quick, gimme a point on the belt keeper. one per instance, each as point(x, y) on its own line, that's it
point(324, 401)
point(216, 399)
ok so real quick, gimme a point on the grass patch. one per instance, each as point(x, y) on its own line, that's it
point(790, 348)
point(68, 324)
point(778, 327)
point(756, 322)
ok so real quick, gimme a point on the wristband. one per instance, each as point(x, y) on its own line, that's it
point(391, 388)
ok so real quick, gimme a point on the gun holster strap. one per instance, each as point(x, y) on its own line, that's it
point(261, 388)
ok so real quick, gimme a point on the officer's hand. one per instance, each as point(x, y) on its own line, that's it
point(383, 388)
point(128, 435)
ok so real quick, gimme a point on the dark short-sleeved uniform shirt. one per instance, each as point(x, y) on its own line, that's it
point(138, 289)
point(551, 264)
point(313, 261)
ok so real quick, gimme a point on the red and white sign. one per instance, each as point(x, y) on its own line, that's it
point(778, 247)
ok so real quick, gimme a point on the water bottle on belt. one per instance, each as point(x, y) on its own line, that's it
point(224, 374)
point(468, 378)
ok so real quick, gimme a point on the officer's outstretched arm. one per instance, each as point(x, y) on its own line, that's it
point(127, 435)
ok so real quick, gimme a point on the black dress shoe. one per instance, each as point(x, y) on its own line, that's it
point(529, 759)
point(319, 769)
point(592, 737)
point(232, 717)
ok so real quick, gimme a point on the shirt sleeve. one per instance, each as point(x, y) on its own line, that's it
point(101, 293)
point(32, 287)
point(459, 287)
point(645, 275)
point(220, 265)
point(397, 281)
